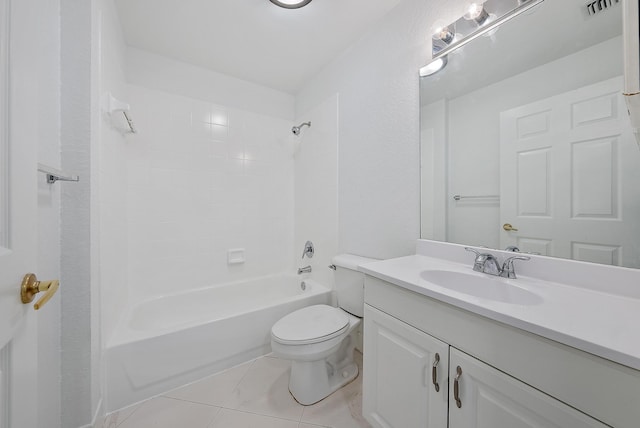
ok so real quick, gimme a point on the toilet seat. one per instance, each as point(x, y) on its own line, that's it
point(311, 324)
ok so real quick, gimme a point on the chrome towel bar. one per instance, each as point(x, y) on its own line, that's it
point(54, 175)
point(459, 197)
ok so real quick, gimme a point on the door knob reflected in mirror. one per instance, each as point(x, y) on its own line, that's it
point(509, 228)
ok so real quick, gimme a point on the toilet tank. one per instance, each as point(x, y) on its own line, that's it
point(350, 283)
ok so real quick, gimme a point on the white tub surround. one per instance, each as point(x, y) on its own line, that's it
point(170, 341)
point(564, 332)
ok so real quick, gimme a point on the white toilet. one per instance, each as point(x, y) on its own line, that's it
point(320, 339)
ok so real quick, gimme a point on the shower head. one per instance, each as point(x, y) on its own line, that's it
point(296, 129)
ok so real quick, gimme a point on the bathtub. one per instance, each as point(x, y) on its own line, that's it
point(169, 341)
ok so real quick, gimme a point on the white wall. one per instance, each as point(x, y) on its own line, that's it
point(164, 74)
point(204, 178)
point(111, 186)
point(48, 265)
point(378, 167)
point(316, 188)
point(80, 341)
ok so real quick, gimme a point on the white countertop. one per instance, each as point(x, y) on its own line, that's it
point(594, 321)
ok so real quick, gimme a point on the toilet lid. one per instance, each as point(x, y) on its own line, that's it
point(310, 325)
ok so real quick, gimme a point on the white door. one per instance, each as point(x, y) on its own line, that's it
point(569, 170)
point(399, 383)
point(488, 398)
point(18, 204)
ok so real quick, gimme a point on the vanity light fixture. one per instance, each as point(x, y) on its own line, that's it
point(291, 4)
point(475, 23)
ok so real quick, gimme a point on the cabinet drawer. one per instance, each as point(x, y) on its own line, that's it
point(605, 390)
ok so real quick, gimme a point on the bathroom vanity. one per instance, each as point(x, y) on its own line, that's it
point(557, 353)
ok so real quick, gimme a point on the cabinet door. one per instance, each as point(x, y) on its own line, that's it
point(490, 399)
point(398, 382)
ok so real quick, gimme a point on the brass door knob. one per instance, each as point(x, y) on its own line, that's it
point(509, 228)
point(31, 286)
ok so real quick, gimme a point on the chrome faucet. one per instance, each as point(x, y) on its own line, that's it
point(508, 270)
point(488, 263)
point(485, 262)
point(305, 269)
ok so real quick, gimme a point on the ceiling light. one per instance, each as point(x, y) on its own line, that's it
point(433, 67)
point(290, 4)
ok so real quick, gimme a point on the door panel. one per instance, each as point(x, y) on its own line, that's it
point(398, 388)
point(490, 399)
point(18, 205)
point(568, 173)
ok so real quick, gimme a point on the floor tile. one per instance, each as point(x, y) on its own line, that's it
point(162, 412)
point(265, 390)
point(255, 394)
point(116, 418)
point(228, 418)
point(343, 408)
point(213, 390)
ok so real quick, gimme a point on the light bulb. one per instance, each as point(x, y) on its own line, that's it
point(433, 67)
point(477, 12)
point(445, 34)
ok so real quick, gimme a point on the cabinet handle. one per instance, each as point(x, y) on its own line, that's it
point(456, 387)
point(434, 372)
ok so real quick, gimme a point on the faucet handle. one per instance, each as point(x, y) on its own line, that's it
point(308, 249)
point(473, 250)
point(508, 269)
point(480, 262)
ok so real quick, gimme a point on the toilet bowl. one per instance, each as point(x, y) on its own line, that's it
point(320, 340)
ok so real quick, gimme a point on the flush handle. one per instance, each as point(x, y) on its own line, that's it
point(31, 286)
point(434, 372)
point(456, 387)
point(509, 228)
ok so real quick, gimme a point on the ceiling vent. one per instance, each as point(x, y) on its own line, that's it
point(599, 6)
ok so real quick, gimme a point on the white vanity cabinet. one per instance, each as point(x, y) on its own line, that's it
point(489, 399)
point(509, 377)
point(403, 365)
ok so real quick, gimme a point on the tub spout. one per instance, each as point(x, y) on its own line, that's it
point(305, 269)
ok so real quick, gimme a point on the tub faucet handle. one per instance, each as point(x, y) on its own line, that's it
point(308, 249)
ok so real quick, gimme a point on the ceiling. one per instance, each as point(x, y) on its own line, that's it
point(253, 40)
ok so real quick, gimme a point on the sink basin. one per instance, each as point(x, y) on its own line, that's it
point(482, 286)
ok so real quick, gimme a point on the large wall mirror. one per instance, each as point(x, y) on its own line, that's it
point(525, 139)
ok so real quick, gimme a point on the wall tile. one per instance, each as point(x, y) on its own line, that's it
point(203, 179)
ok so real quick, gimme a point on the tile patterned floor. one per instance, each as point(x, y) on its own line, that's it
point(252, 395)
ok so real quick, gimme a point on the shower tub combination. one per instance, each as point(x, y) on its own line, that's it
point(169, 341)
